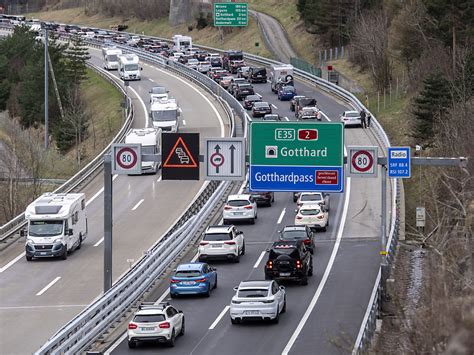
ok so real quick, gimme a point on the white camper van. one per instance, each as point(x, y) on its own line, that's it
point(164, 114)
point(182, 43)
point(129, 68)
point(57, 224)
point(280, 73)
point(110, 56)
point(150, 139)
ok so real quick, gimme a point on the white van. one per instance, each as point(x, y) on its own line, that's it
point(129, 68)
point(110, 57)
point(164, 114)
point(57, 224)
point(182, 43)
point(280, 73)
point(150, 140)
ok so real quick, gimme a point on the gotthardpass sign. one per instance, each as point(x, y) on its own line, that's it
point(286, 156)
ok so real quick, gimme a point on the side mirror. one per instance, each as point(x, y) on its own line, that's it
point(296, 210)
point(23, 233)
point(282, 288)
point(236, 288)
point(180, 311)
point(70, 231)
point(141, 68)
point(267, 250)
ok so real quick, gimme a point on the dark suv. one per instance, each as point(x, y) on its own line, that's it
point(243, 90)
point(257, 75)
point(299, 232)
point(289, 260)
point(261, 197)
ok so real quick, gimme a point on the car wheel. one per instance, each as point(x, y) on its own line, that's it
point(234, 321)
point(80, 242)
point(269, 203)
point(173, 295)
point(132, 344)
point(29, 258)
point(181, 332)
point(277, 318)
point(172, 339)
point(304, 280)
point(283, 310)
point(268, 277)
point(311, 251)
point(208, 292)
point(64, 256)
point(215, 284)
point(325, 228)
point(273, 198)
point(252, 221)
point(237, 259)
point(310, 271)
point(243, 250)
point(225, 221)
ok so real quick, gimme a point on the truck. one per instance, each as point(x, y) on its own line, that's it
point(233, 60)
point(280, 75)
point(164, 114)
point(150, 140)
point(128, 67)
point(57, 225)
point(110, 57)
point(182, 43)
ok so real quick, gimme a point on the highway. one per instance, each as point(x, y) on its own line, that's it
point(323, 317)
point(38, 297)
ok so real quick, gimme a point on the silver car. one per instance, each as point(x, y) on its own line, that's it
point(258, 300)
point(351, 118)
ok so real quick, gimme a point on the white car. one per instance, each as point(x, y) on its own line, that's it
point(351, 118)
point(158, 93)
point(204, 67)
point(320, 198)
point(222, 242)
point(312, 216)
point(192, 63)
point(160, 323)
point(263, 300)
point(240, 207)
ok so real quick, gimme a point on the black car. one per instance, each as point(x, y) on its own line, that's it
point(289, 260)
point(234, 83)
point(294, 101)
point(260, 109)
point(250, 100)
point(243, 90)
point(300, 232)
point(262, 197)
point(257, 75)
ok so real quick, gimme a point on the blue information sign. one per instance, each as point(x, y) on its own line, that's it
point(399, 162)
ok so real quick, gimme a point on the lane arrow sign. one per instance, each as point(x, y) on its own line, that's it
point(232, 150)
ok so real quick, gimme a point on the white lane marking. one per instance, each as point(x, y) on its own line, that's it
point(276, 108)
point(48, 286)
point(39, 307)
point(221, 122)
point(281, 216)
point(145, 111)
point(138, 204)
point(259, 259)
point(315, 298)
point(151, 80)
point(99, 242)
point(184, 122)
point(219, 317)
point(258, 94)
point(159, 179)
point(12, 262)
point(99, 192)
point(325, 116)
point(286, 118)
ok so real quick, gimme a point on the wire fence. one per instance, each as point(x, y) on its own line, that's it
point(304, 65)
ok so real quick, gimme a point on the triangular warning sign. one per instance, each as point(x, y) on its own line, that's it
point(180, 157)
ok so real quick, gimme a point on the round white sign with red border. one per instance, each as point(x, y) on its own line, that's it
point(362, 161)
point(127, 158)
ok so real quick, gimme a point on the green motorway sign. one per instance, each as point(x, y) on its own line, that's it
point(287, 156)
point(230, 14)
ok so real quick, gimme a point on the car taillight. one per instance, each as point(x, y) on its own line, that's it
point(320, 216)
point(227, 208)
point(173, 281)
point(200, 280)
point(298, 264)
point(299, 204)
point(132, 326)
point(307, 241)
point(165, 325)
point(249, 207)
point(299, 217)
point(229, 243)
point(268, 301)
point(270, 264)
point(204, 243)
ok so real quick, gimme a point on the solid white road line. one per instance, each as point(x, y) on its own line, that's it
point(276, 108)
point(145, 111)
point(259, 259)
point(99, 242)
point(48, 286)
point(315, 298)
point(258, 94)
point(151, 80)
point(159, 179)
point(184, 122)
point(286, 118)
point(281, 216)
point(12, 262)
point(138, 204)
point(219, 317)
point(39, 307)
point(99, 192)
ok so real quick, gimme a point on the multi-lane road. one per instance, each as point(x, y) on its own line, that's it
point(323, 317)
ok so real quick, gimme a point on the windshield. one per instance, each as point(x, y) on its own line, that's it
point(112, 58)
point(288, 89)
point(254, 292)
point(131, 67)
point(261, 104)
point(45, 228)
point(312, 197)
point(215, 237)
point(168, 115)
point(188, 273)
point(158, 90)
point(148, 149)
point(352, 114)
point(149, 318)
point(292, 235)
point(238, 203)
point(309, 212)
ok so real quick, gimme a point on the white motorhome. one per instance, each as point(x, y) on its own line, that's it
point(182, 43)
point(280, 73)
point(57, 224)
point(110, 56)
point(164, 114)
point(150, 140)
point(129, 68)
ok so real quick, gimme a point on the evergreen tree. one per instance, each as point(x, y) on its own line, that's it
point(431, 104)
point(77, 55)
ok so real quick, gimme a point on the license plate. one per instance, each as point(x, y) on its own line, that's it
point(188, 282)
point(252, 312)
point(43, 253)
point(147, 329)
point(215, 245)
point(285, 273)
point(238, 213)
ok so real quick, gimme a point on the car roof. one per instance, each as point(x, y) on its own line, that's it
point(218, 229)
point(262, 103)
point(238, 197)
point(311, 206)
point(293, 228)
point(346, 112)
point(253, 96)
point(290, 243)
point(254, 284)
point(190, 267)
point(311, 193)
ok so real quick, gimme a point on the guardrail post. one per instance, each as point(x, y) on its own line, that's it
point(337, 53)
point(330, 54)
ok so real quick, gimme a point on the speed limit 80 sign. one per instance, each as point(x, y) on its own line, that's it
point(362, 161)
point(126, 158)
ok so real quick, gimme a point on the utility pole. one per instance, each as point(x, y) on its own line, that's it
point(46, 113)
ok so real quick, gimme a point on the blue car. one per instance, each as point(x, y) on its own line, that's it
point(286, 93)
point(193, 279)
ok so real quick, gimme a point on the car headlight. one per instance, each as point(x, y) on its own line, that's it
point(57, 241)
point(30, 242)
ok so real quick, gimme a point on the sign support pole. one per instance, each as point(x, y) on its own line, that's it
point(107, 223)
point(384, 211)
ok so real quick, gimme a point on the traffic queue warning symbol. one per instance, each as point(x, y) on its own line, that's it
point(181, 153)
